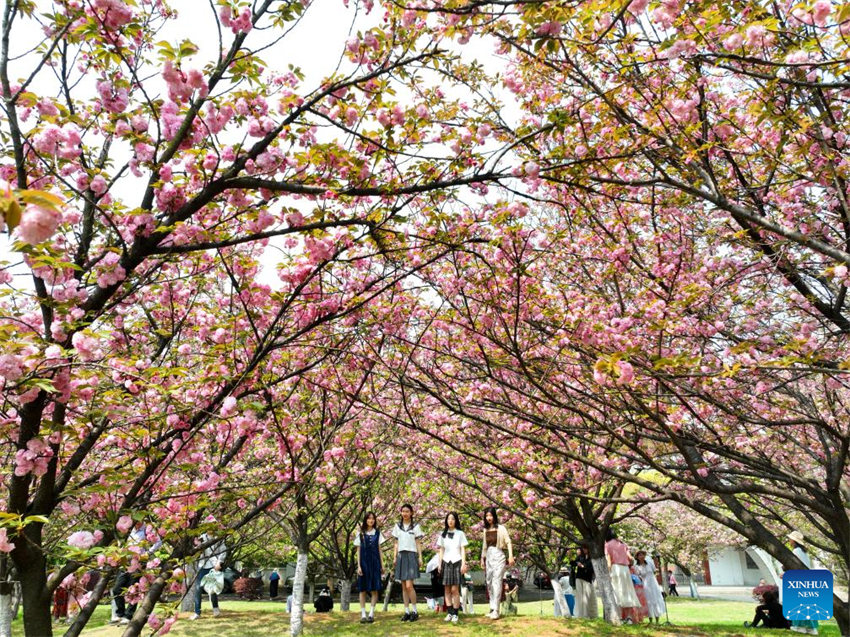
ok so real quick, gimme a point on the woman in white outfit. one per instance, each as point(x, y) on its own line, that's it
point(495, 542)
point(645, 569)
point(619, 560)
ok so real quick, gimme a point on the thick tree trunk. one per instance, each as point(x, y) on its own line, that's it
point(33, 577)
point(6, 588)
point(694, 590)
point(86, 611)
point(5, 609)
point(188, 602)
point(16, 600)
point(345, 594)
point(561, 608)
point(841, 611)
point(296, 619)
point(610, 608)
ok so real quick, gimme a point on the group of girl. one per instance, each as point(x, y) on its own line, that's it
point(635, 588)
point(407, 561)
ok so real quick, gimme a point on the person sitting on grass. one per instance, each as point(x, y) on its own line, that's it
point(769, 612)
point(324, 602)
point(510, 595)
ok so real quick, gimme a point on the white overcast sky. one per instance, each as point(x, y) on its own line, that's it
point(315, 44)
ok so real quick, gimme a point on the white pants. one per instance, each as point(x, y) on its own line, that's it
point(495, 574)
point(466, 600)
point(586, 599)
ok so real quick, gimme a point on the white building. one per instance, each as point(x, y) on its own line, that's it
point(737, 566)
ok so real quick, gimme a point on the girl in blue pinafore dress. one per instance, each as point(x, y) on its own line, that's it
point(370, 567)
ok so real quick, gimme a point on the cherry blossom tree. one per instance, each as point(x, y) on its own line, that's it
point(146, 178)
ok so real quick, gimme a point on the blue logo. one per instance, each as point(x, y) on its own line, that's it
point(807, 595)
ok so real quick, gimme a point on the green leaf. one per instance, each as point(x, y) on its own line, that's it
point(41, 198)
point(11, 211)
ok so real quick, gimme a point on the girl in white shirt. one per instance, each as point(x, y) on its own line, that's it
point(452, 560)
point(408, 559)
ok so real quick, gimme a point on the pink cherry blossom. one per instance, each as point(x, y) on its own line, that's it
point(81, 540)
point(112, 14)
point(88, 348)
point(551, 29)
point(38, 224)
point(5, 545)
point(124, 524)
point(821, 11)
point(11, 367)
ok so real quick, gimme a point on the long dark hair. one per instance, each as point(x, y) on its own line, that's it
point(610, 535)
point(446, 523)
point(492, 511)
point(364, 527)
point(401, 522)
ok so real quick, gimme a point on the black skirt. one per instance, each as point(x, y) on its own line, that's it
point(451, 574)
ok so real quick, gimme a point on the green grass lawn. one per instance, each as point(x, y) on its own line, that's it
point(269, 619)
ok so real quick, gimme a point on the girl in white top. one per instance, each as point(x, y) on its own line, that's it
point(645, 569)
point(408, 559)
point(452, 562)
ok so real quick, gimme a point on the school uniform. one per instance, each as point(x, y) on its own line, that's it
point(407, 564)
point(369, 544)
point(452, 558)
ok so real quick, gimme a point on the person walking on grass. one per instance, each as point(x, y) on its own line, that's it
point(274, 584)
point(211, 559)
point(672, 583)
point(370, 565)
point(408, 559)
point(495, 542)
point(452, 562)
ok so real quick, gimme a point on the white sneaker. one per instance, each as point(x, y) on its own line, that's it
point(448, 618)
point(124, 621)
point(454, 619)
point(194, 617)
point(216, 612)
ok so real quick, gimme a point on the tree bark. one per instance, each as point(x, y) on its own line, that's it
point(610, 608)
point(561, 608)
point(6, 588)
point(296, 619)
point(345, 594)
point(388, 593)
point(188, 602)
point(841, 612)
point(33, 577)
point(5, 609)
point(693, 587)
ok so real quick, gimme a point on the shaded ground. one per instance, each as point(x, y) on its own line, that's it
point(267, 619)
